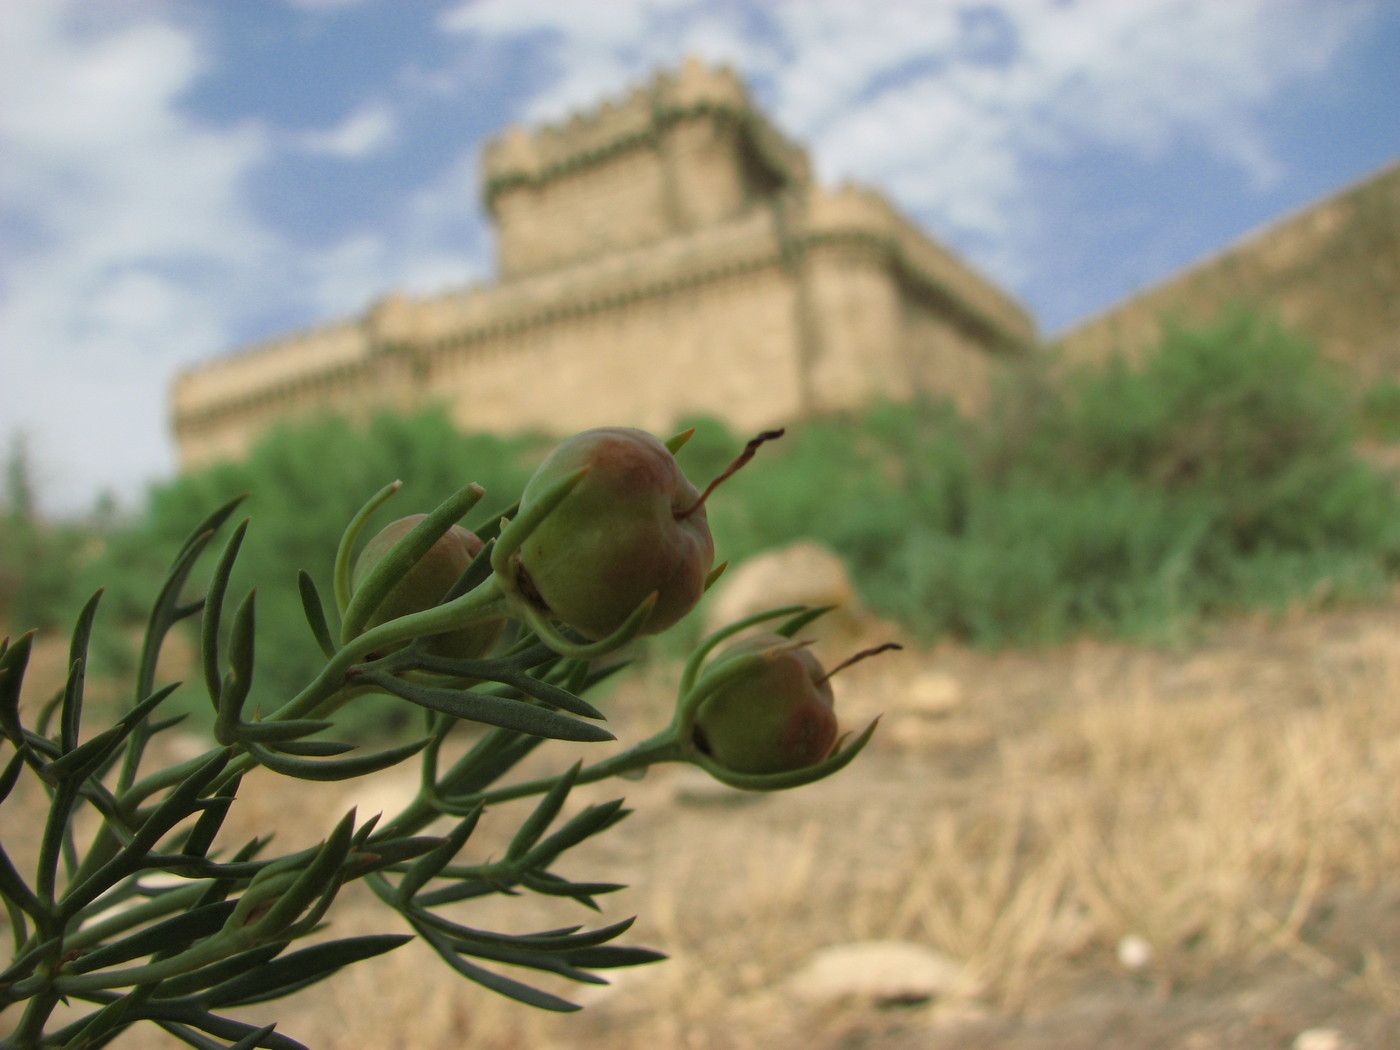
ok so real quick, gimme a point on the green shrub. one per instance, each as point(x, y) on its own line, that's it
point(1215, 473)
point(1380, 410)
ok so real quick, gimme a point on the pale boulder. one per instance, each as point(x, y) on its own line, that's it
point(800, 573)
point(880, 972)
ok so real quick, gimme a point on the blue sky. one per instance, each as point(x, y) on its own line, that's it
point(179, 178)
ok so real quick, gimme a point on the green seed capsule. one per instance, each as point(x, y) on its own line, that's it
point(424, 585)
point(777, 718)
point(632, 526)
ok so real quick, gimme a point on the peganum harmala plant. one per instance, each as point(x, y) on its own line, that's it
point(506, 631)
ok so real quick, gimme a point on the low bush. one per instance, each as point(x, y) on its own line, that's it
point(1216, 472)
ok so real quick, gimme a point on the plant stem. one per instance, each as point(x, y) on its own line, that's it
point(663, 747)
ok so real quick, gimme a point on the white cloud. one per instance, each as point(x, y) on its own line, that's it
point(326, 5)
point(947, 105)
point(1145, 75)
point(134, 243)
point(435, 241)
point(598, 48)
point(364, 132)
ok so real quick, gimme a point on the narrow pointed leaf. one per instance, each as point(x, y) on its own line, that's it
point(86, 757)
point(202, 836)
point(271, 981)
point(491, 710)
point(316, 882)
point(71, 716)
point(280, 732)
point(545, 962)
point(402, 556)
point(510, 988)
point(572, 938)
point(336, 768)
point(345, 552)
point(214, 609)
point(554, 886)
point(611, 956)
point(190, 984)
point(314, 748)
point(533, 826)
point(475, 772)
point(14, 889)
point(491, 670)
point(182, 802)
point(315, 612)
point(175, 1015)
point(790, 627)
point(234, 689)
point(12, 666)
point(591, 821)
point(428, 866)
point(385, 854)
point(10, 777)
point(254, 1039)
point(173, 934)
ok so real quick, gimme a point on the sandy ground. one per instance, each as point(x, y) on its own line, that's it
point(1233, 801)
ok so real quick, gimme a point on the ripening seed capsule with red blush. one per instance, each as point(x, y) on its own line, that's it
point(425, 584)
point(777, 718)
point(634, 525)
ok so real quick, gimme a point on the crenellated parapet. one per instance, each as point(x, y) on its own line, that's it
point(538, 155)
point(683, 151)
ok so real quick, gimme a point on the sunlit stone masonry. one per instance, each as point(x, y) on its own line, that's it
point(665, 254)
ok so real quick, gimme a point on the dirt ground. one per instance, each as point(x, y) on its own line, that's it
point(1233, 801)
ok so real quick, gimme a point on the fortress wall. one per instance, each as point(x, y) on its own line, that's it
point(696, 256)
point(944, 360)
point(230, 430)
point(280, 361)
point(587, 211)
point(926, 257)
point(1332, 271)
point(722, 347)
point(857, 211)
point(705, 165)
point(855, 334)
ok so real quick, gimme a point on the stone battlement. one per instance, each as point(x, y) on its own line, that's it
point(682, 151)
point(537, 155)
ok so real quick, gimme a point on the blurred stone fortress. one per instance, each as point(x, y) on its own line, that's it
point(669, 254)
point(663, 255)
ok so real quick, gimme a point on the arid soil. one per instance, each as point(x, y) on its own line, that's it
point(1232, 802)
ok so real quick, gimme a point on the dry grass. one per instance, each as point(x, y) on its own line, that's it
point(1216, 802)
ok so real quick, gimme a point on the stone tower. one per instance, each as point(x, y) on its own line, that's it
point(665, 254)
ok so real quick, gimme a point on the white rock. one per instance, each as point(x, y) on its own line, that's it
point(1321, 1039)
point(1134, 953)
point(931, 693)
point(878, 971)
point(802, 572)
